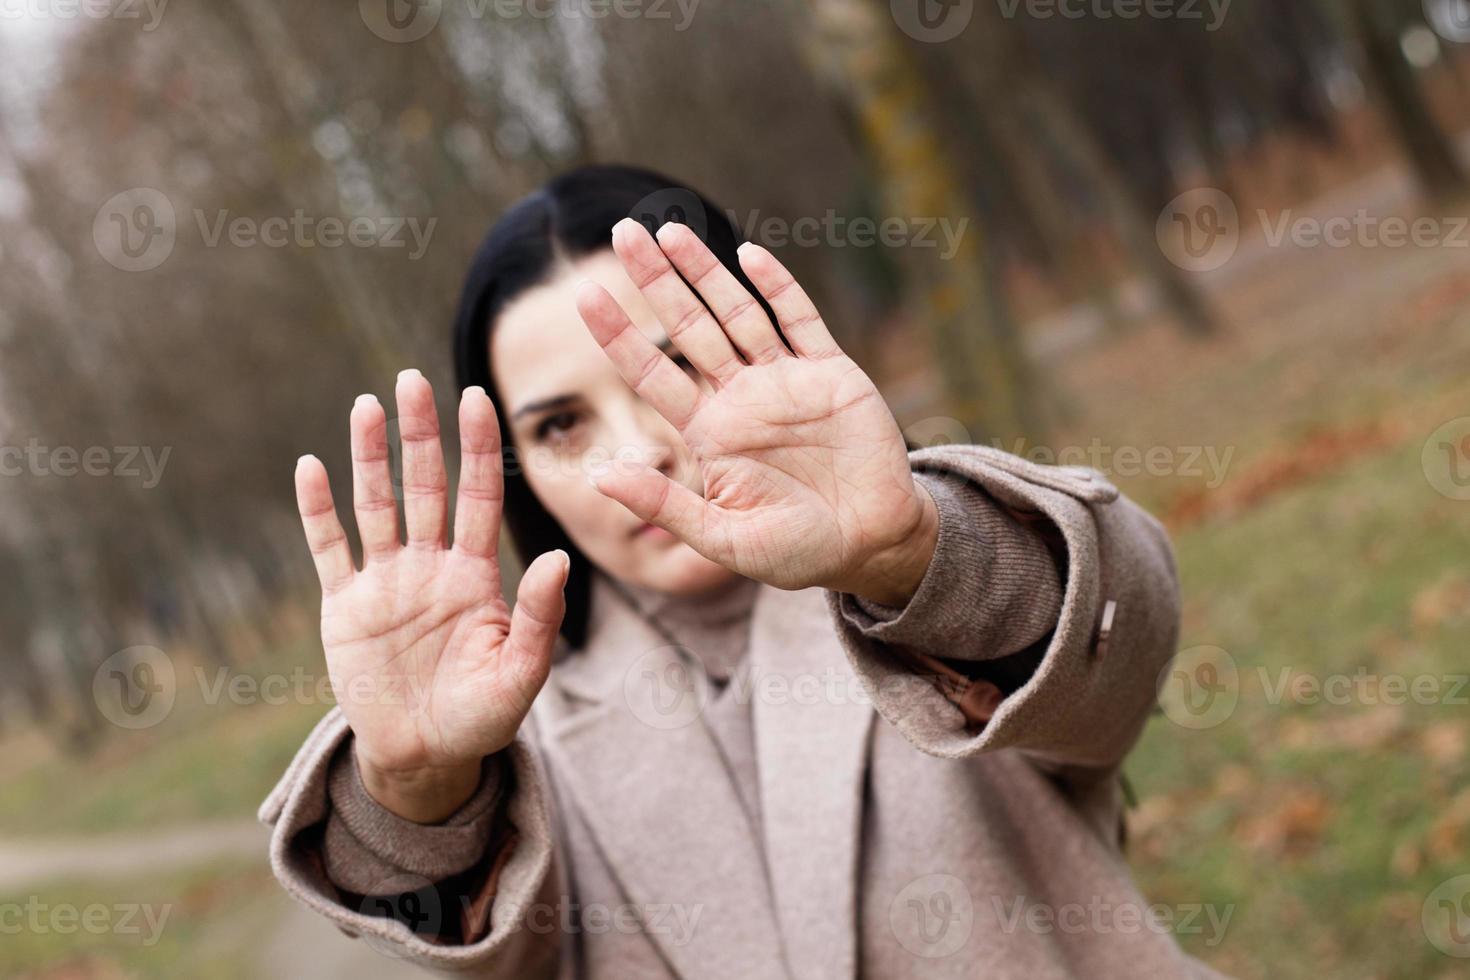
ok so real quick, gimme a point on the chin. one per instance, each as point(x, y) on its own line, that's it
point(684, 571)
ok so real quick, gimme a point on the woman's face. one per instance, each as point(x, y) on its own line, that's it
point(567, 407)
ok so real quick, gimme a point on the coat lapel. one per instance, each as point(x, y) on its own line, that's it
point(812, 725)
point(647, 774)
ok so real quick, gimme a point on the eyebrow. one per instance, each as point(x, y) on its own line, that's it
point(531, 408)
point(561, 401)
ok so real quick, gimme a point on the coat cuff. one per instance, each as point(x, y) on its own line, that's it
point(366, 845)
point(992, 589)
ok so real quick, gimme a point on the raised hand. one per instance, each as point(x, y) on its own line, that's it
point(431, 668)
point(806, 476)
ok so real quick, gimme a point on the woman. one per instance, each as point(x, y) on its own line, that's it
point(777, 698)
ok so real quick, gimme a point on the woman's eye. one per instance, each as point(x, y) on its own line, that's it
point(683, 364)
point(556, 425)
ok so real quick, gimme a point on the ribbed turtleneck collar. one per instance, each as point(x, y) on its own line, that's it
point(715, 626)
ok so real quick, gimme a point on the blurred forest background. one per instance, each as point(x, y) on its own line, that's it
point(1120, 286)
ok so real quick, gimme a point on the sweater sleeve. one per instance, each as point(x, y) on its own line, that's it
point(365, 844)
point(993, 588)
point(1042, 623)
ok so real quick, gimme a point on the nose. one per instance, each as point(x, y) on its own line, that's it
point(658, 442)
point(662, 458)
point(661, 444)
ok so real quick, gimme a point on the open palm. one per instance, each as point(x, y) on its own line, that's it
point(806, 476)
point(431, 668)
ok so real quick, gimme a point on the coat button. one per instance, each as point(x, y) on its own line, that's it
point(1105, 628)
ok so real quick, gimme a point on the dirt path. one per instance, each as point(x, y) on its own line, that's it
point(301, 943)
point(25, 863)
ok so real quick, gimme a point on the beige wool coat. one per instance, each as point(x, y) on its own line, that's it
point(911, 822)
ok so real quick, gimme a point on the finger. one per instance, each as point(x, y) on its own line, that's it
point(662, 502)
point(648, 370)
point(425, 487)
point(798, 316)
point(540, 605)
point(373, 500)
point(744, 320)
point(688, 324)
point(481, 485)
point(324, 534)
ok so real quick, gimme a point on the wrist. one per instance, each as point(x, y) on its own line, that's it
point(426, 795)
point(891, 577)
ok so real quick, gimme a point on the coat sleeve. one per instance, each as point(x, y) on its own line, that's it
point(1042, 624)
point(417, 893)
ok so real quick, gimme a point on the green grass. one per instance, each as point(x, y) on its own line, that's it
point(208, 924)
point(1321, 579)
point(204, 762)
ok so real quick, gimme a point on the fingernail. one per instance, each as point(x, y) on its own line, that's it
point(366, 400)
point(408, 373)
point(475, 390)
point(301, 460)
point(667, 226)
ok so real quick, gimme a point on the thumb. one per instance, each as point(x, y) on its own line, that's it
point(540, 606)
point(658, 500)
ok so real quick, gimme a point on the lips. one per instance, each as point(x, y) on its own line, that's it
point(649, 530)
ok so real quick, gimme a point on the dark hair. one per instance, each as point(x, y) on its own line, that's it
point(569, 217)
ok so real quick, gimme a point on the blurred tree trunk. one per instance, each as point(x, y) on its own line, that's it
point(1430, 150)
point(1028, 156)
point(1132, 218)
point(976, 347)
